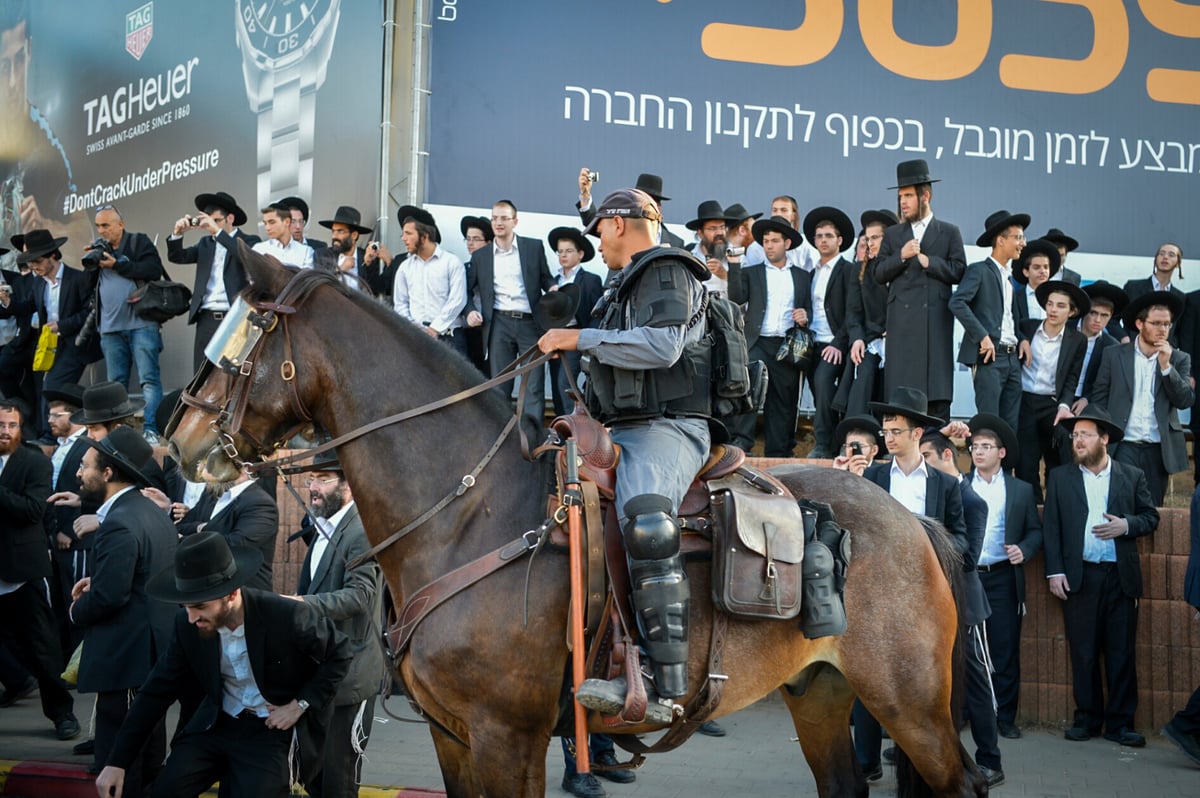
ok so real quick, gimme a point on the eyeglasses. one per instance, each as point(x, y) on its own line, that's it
point(896, 431)
point(1160, 324)
point(310, 481)
point(59, 414)
point(714, 228)
point(982, 447)
point(1083, 436)
point(1016, 236)
point(474, 240)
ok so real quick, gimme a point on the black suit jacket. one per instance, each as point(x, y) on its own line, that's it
point(978, 304)
point(869, 301)
point(1022, 525)
point(975, 516)
point(1093, 365)
point(252, 519)
point(843, 304)
point(1070, 358)
point(61, 518)
point(124, 630)
point(534, 271)
point(202, 253)
point(24, 488)
point(748, 286)
point(295, 653)
point(1066, 513)
point(943, 499)
point(591, 288)
point(74, 297)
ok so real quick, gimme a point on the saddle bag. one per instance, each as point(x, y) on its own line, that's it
point(758, 550)
point(160, 300)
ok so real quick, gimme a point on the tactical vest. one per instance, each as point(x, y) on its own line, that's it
point(656, 292)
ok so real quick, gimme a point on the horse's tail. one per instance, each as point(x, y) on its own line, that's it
point(909, 781)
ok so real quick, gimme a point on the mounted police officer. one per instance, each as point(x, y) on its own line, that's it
point(648, 367)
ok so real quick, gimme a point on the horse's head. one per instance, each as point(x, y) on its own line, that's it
point(251, 396)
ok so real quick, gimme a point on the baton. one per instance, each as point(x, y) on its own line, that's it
point(573, 498)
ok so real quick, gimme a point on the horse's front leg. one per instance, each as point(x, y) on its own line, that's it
point(510, 762)
point(454, 759)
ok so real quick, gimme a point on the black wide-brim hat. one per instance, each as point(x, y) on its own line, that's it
point(851, 423)
point(736, 214)
point(1039, 246)
point(912, 173)
point(1102, 289)
point(1058, 237)
point(129, 450)
point(1101, 418)
point(1168, 299)
point(882, 216)
point(226, 203)
point(997, 223)
point(479, 223)
point(1083, 303)
point(652, 185)
point(1008, 438)
point(106, 401)
point(779, 225)
point(707, 211)
point(325, 462)
point(912, 403)
point(166, 409)
point(557, 308)
point(39, 243)
point(348, 216)
point(421, 215)
point(294, 202)
point(69, 392)
point(576, 237)
point(826, 213)
point(206, 568)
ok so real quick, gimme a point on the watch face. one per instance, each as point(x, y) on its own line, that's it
point(281, 30)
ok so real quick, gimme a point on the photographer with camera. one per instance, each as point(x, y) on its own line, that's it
point(219, 271)
point(123, 260)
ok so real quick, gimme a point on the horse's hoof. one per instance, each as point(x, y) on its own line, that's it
point(608, 698)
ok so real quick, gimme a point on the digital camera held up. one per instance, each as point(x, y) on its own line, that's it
point(95, 251)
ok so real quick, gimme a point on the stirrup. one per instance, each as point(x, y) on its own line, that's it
point(607, 696)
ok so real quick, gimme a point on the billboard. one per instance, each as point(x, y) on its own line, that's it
point(1078, 113)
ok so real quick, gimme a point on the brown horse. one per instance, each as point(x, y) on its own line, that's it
point(488, 678)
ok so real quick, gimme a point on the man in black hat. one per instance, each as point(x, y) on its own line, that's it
point(859, 440)
point(1013, 535)
point(430, 286)
point(1143, 385)
point(983, 303)
point(220, 275)
point(297, 221)
point(836, 321)
point(1168, 264)
point(1108, 302)
point(1051, 353)
point(280, 243)
point(1065, 245)
point(344, 255)
point(573, 249)
point(739, 234)
point(255, 665)
point(919, 260)
point(1096, 508)
point(124, 631)
point(651, 184)
point(711, 245)
point(244, 514)
point(863, 381)
point(26, 619)
point(777, 296)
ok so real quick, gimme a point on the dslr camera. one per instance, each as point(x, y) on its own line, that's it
point(95, 251)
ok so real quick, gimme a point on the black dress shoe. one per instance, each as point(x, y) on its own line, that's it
point(994, 777)
point(1008, 731)
point(889, 755)
point(66, 727)
point(1127, 737)
point(12, 695)
point(1188, 743)
point(1078, 734)
point(711, 728)
point(609, 759)
point(873, 773)
point(585, 785)
point(85, 748)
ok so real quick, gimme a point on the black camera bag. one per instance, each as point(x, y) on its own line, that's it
point(160, 300)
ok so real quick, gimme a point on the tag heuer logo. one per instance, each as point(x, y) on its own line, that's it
point(139, 29)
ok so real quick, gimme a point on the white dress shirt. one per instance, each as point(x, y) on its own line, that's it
point(1040, 377)
point(909, 489)
point(820, 320)
point(1008, 332)
point(995, 493)
point(239, 691)
point(1096, 487)
point(507, 279)
point(433, 292)
point(1142, 426)
point(325, 529)
point(781, 295)
point(294, 254)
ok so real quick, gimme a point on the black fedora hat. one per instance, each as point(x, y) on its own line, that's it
point(348, 216)
point(912, 173)
point(106, 401)
point(707, 211)
point(1102, 420)
point(997, 223)
point(481, 223)
point(323, 462)
point(557, 308)
point(39, 243)
point(1168, 299)
point(226, 203)
point(69, 392)
point(1038, 246)
point(406, 212)
point(166, 409)
point(854, 423)
point(912, 403)
point(294, 202)
point(129, 450)
point(206, 568)
point(1102, 289)
point(882, 216)
point(1059, 238)
point(18, 241)
point(826, 213)
point(1008, 438)
point(652, 185)
point(779, 225)
point(576, 237)
point(736, 214)
point(1083, 302)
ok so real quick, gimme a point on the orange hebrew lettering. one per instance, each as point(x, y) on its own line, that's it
point(807, 44)
point(1110, 46)
point(959, 58)
point(1177, 19)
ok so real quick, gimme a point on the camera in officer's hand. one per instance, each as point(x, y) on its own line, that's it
point(96, 252)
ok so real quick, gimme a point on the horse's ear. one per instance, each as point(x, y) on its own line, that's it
point(263, 271)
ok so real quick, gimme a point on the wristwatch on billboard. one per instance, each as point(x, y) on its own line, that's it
point(285, 47)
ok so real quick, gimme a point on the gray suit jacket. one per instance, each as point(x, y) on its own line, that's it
point(978, 304)
point(1113, 391)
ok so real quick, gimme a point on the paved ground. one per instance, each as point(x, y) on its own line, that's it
point(759, 758)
